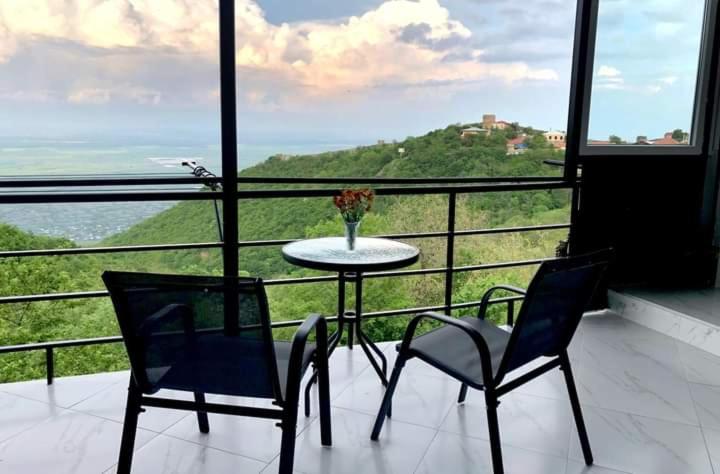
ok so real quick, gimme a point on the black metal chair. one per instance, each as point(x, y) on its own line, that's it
point(213, 335)
point(480, 355)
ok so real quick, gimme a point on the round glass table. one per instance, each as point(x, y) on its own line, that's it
point(370, 254)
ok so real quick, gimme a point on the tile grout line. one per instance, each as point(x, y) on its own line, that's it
point(695, 408)
point(427, 450)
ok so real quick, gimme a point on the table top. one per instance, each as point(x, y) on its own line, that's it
point(331, 253)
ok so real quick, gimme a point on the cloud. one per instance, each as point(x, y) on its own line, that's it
point(89, 96)
point(608, 71)
point(399, 41)
point(611, 78)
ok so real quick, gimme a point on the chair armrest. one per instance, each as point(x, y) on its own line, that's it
point(482, 347)
point(170, 312)
point(297, 350)
point(485, 302)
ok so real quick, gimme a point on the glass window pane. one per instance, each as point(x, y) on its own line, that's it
point(403, 88)
point(98, 88)
point(645, 72)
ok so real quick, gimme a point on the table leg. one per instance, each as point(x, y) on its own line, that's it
point(333, 340)
point(363, 339)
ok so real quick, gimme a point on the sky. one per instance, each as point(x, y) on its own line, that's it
point(330, 71)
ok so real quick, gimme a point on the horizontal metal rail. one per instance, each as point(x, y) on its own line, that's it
point(259, 243)
point(117, 249)
point(14, 182)
point(90, 181)
point(108, 196)
point(277, 325)
point(376, 180)
point(288, 281)
point(407, 190)
point(142, 196)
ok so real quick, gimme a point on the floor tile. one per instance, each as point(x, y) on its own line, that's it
point(18, 414)
point(700, 366)
point(641, 375)
point(707, 404)
point(456, 454)
point(255, 438)
point(66, 391)
point(273, 468)
point(343, 370)
point(642, 445)
point(110, 404)
point(418, 399)
point(712, 439)
point(549, 385)
point(576, 467)
point(534, 423)
point(166, 455)
point(72, 443)
point(398, 451)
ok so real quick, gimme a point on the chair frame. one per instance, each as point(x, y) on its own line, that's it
point(286, 414)
point(492, 383)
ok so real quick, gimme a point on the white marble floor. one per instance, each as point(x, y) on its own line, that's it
point(651, 403)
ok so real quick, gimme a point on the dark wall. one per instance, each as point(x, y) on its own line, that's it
point(651, 212)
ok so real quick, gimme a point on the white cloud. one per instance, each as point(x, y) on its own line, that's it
point(326, 58)
point(668, 28)
point(93, 96)
point(608, 71)
point(669, 80)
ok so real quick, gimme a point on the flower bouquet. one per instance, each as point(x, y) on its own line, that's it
point(353, 204)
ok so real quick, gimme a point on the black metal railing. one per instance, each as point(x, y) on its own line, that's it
point(450, 187)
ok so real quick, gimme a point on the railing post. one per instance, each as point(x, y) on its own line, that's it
point(450, 255)
point(228, 150)
point(49, 365)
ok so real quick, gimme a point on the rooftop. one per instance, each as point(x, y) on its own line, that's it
point(651, 403)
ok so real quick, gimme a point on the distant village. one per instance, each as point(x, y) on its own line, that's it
point(519, 144)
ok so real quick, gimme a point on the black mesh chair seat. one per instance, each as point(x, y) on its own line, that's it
point(207, 368)
point(480, 355)
point(448, 349)
point(212, 335)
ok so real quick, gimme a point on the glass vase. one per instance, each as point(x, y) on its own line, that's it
point(351, 233)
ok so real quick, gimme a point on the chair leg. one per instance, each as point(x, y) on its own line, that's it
point(308, 389)
point(386, 405)
point(287, 445)
point(202, 416)
point(577, 411)
point(463, 393)
point(132, 411)
point(324, 402)
point(492, 403)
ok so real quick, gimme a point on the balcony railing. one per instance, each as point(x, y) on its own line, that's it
point(29, 190)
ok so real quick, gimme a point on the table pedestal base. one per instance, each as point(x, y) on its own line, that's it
point(351, 319)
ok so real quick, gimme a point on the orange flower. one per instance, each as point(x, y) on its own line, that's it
point(353, 204)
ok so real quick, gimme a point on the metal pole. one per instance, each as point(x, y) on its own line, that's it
point(49, 365)
point(450, 255)
point(228, 124)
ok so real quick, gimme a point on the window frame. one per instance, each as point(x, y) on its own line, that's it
point(697, 133)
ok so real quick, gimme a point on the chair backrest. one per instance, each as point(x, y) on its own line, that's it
point(553, 307)
point(178, 335)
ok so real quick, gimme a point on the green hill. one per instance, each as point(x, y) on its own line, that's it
point(439, 153)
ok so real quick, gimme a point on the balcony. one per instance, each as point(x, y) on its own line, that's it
point(650, 403)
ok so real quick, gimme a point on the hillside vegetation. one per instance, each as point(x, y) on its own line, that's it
point(439, 153)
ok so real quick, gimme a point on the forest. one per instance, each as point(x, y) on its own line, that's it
point(440, 153)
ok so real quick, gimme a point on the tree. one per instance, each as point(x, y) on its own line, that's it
point(678, 135)
point(615, 140)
